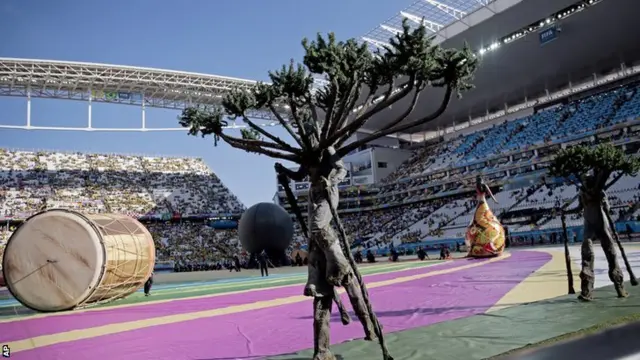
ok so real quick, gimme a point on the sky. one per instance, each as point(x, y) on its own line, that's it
point(237, 38)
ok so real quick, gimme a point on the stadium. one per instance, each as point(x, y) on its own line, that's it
point(541, 87)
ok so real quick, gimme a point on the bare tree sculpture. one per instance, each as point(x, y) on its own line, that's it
point(360, 85)
point(592, 167)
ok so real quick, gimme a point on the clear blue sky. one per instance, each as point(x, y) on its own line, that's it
point(239, 38)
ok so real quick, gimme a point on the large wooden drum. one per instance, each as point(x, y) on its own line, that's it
point(60, 259)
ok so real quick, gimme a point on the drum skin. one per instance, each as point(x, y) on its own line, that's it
point(60, 260)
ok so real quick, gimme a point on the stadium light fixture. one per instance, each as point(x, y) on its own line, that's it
point(552, 18)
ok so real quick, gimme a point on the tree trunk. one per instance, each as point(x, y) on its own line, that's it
point(632, 276)
point(321, 331)
point(328, 266)
point(567, 256)
point(587, 277)
point(597, 227)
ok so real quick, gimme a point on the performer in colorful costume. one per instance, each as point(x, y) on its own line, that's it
point(485, 235)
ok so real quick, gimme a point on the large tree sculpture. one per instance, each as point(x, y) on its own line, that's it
point(359, 86)
point(592, 167)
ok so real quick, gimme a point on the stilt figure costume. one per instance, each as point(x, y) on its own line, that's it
point(328, 266)
point(485, 236)
point(597, 228)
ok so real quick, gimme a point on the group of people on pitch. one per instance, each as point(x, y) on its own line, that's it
point(263, 262)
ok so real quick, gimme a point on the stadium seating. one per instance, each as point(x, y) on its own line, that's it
point(133, 185)
point(138, 185)
point(557, 124)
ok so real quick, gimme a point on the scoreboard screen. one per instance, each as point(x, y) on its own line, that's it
point(223, 222)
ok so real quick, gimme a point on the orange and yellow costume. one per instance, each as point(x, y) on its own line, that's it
point(485, 236)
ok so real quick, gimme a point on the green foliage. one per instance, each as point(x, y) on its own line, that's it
point(354, 77)
point(203, 122)
point(582, 161)
point(250, 134)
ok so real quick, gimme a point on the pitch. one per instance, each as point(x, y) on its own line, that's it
point(459, 309)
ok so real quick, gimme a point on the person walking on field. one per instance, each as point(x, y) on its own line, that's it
point(147, 285)
point(263, 260)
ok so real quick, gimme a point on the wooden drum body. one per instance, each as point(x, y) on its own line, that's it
point(60, 259)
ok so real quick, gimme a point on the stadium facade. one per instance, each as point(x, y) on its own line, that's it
point(507, 135)
point(541, 87)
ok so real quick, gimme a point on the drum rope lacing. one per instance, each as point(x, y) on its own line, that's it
point(129, 280)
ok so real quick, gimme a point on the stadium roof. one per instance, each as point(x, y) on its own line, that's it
point(590, 42)
point(442, 18)
point(115, 83)
point(594, 41)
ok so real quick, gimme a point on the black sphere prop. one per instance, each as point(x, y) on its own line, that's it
point(265, 226)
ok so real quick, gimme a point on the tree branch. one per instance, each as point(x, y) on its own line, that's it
point(297, 175)
point(324, 132)
point(613, 181)
point(601, 178)
point(301, 130)
point(378, 134)
point(258, 146)
point(283, 146)
point(399, 119)
point(345, 108)
point(351, 95)
point(285, 125)
point(357, 123)
point(312, 108)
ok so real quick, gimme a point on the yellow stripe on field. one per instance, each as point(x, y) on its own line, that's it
point(81, 334)
point(547, 282)
point(220, 286)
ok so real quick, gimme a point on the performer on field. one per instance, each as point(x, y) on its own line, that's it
point(147, 285)
point(263, 261)
point(485, 235)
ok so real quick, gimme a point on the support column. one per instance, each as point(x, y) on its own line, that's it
point(28, 107)
point(144, 115)
point(89, 111)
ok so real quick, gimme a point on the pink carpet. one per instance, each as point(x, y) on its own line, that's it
point(287, 328)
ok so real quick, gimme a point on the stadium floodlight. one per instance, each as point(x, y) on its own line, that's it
point(320, 125)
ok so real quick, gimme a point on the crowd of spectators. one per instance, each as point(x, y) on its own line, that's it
point(140, 185)
point(561, 122)
point(133, 185)
point(187, 242)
